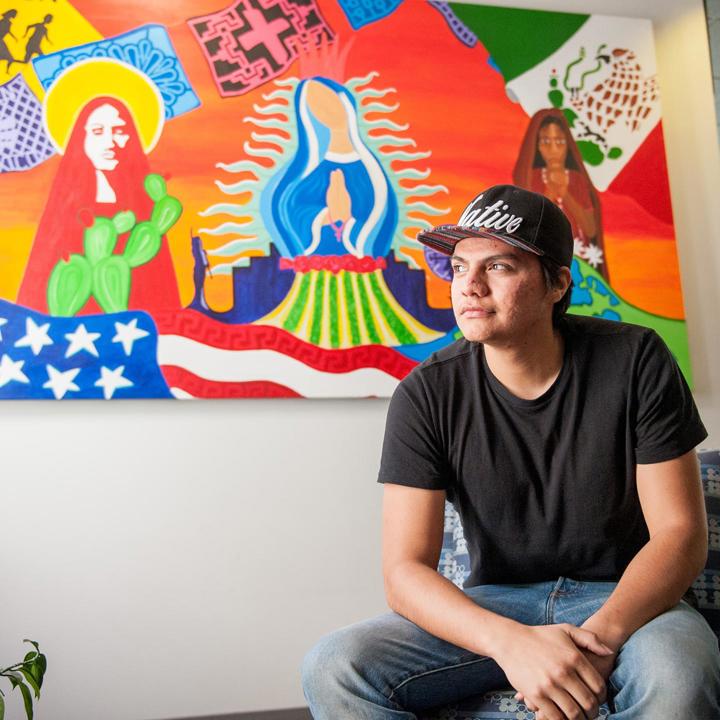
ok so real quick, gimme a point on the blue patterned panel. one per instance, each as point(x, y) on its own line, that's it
point(363, 12)
point(23, 141)
point(461, 31)
point(148, 48)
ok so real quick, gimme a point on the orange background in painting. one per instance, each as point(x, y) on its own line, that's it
point(454, 102)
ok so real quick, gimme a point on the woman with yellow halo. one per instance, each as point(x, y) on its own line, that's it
point(103, 117)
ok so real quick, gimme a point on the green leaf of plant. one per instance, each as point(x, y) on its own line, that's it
point(143, 244)
point(99, 240)
point(31, 681)
point(38, 669)
point(2, 708)
point(69, 287)
point(27, 699)
point(111, 283)
point(14, 678)
point(30, 656)
point(166, 213)
point(155, 186)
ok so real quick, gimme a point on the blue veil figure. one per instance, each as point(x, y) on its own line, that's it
point(333, 198)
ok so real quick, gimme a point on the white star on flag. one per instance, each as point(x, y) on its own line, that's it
point(3, 321)
point(112, 380)
point(61, 382)
point(80, 340)
point(127, 334)
point(36, 336)
point(11, 370)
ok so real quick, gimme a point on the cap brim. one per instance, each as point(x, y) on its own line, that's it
point(444, 238)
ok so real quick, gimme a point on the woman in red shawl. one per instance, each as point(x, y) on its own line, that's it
point(550, 163)
point(101, 173)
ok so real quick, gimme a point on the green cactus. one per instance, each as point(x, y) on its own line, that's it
point(155, 187)
point(99, 240)
point(143, 244)
point(108, 276)
point(111, 283)
point(69, 286)
point(124, 221)
point(166, 212)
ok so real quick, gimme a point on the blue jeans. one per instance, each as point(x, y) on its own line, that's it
point(387, 668)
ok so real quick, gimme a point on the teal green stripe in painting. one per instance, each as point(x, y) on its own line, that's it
point(517, 40)
point(366, 311)
point(351, 312)
point(334, 334)
point(404, 336)
point(296, 311)
point(317, 316)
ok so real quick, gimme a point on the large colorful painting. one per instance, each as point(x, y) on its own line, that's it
point(200, 200)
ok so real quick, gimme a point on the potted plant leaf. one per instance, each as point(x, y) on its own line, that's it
point(26, 675)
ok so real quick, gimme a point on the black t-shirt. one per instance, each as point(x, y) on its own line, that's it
point(544, 487)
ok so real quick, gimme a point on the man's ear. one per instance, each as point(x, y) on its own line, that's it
point(564, 280)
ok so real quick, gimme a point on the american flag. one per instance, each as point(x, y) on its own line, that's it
point(181, 354)
point(93, 356)
point(203, 358)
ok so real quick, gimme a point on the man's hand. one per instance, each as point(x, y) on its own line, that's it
point(548, 666)
point(603, 664)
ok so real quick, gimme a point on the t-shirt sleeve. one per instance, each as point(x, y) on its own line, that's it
point(411, 453)
point(668, 423)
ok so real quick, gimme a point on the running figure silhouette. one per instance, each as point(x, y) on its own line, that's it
point(40, 33)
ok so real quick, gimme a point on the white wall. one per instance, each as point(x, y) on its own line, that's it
point(176, 559)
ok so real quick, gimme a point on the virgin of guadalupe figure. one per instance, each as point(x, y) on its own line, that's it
point(333, 198)
point(101, 172)
point(550, 163)
point(332, 214)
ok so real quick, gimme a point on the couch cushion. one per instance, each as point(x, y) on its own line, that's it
point(707, 585)
point(495, 705)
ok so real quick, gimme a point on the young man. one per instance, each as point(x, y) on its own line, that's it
point(567, 446)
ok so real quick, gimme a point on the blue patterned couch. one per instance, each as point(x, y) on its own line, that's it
point(455, 565)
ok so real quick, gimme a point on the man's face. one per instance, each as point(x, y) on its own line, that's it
point(498, 292)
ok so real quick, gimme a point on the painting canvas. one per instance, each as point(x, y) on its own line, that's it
point(211, 200)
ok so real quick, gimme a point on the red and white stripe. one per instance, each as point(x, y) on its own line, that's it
point(204, 358)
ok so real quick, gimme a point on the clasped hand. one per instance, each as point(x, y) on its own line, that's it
point(556, 669)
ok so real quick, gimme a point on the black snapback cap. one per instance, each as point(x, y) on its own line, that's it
point(513, 215)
